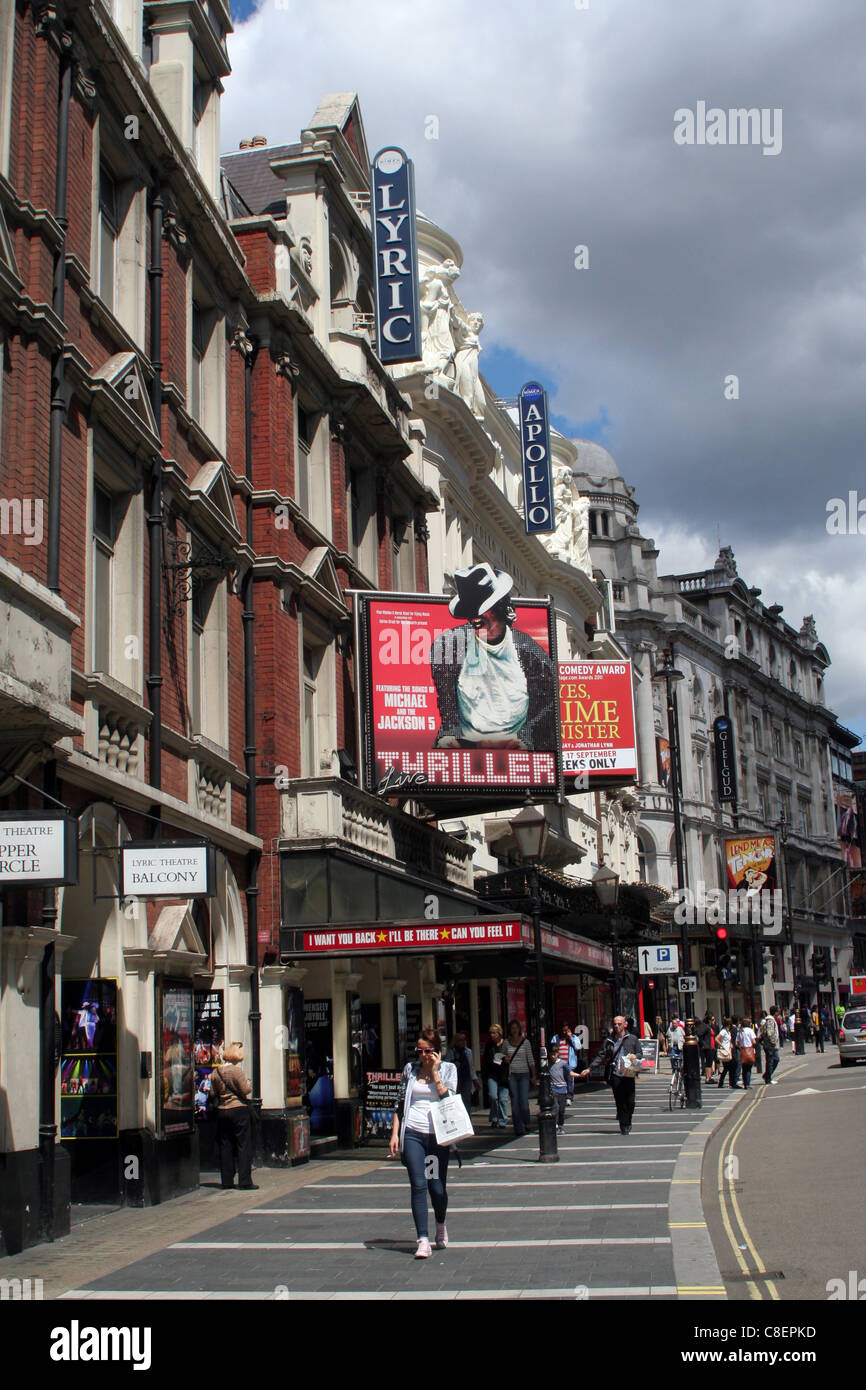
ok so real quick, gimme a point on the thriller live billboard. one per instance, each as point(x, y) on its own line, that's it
point(445, 710)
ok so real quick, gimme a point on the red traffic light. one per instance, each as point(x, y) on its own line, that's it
point(721, 933)
point(651, 984)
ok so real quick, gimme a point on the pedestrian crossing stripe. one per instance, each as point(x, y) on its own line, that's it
point(687, 1225)
point(701, 1288)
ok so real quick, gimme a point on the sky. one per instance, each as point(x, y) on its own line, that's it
point(712, 334)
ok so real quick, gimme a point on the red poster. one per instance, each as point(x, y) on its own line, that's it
point(456, 706)
point(597, 718)
point(516, 1000)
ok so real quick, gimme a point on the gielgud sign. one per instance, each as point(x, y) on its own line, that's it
point(596, 711)
point(460, 693)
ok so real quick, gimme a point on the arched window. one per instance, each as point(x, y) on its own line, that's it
point(339, 275)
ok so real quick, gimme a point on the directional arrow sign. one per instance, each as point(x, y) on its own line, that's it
point(658, 960)
point(811, 1091)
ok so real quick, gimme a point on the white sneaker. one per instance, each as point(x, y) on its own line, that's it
point(441, 1235)
point(423, 1251)
point(568, 1102)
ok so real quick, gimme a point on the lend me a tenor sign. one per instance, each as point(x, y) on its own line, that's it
point(163, 870)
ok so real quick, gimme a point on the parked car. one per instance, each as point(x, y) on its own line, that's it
point(852, 1037)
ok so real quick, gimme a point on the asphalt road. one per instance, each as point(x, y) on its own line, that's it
point(782, 1182)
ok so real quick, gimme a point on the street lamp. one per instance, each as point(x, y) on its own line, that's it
point(606, 885)
point(529, 828)
point(691, 1051)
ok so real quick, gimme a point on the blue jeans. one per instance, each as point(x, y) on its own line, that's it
point(772, 1056)
point(498, 1101)
point(417, 1150)
point(519, 1086)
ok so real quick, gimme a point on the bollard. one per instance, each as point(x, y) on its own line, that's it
point(692, 1068)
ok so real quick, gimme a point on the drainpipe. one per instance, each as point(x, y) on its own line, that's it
point(58, 365)
point(47, 1040)
point(154, 518)
point(253, 857)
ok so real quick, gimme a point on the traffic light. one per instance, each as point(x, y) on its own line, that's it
point(736, 967)
point(724, 959)
point(820, 969)
point(758, 964)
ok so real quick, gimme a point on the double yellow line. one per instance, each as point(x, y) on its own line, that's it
point(730, 1208)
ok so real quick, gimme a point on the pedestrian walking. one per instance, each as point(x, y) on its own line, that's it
point(792, 1028)
point(566, 1046)
point(231, 1088)
point(746, 1037)
point(615, 1055)
point(425, 1080)
point(802, 1029)
point(770, 1039)
point(817, 1030)
point(521, 1074)
point(725, 1054)
point(661, 1035)
point(467, 1077)
point(559, 1075)
point(706, 1036)
point(494, 1070)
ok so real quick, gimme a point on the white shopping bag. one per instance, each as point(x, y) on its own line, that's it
point(451, 1121)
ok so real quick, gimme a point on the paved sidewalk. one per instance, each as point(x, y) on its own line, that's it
point(617, 1217)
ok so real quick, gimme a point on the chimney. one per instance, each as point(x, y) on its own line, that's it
point(258, 141)
point(245, 145)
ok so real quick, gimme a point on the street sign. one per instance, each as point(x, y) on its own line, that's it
point(658, 960)
point(687, 984)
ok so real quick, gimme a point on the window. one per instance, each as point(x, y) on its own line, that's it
point(199, 348)
point(306, 435)
point(763, 800)
point(805, 818)
point(206, 361)
point(107, 238)
point(104, 536)
point(605, 523)
point(756, 733)
point(309, 750)
point(593, 523)
point(777, 743)
point(362, 510)
point(403, 554)
point(208, 658)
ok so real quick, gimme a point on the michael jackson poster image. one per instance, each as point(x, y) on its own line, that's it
point(462, 690)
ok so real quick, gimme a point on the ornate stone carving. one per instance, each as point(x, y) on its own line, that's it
point(437, 307)
point(468, 347)
point(241, 343)
point(570, 540)
point(306, 249)
point(284, 366)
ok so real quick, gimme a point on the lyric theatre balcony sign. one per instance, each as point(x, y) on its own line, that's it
point(423, 667)
point(395, 251)
point(175, 870)
point(39, 848)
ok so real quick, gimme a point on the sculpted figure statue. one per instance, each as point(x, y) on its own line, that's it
point(438, 347)
point(466, 363)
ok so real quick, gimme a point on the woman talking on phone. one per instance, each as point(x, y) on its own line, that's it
point(425, 1081)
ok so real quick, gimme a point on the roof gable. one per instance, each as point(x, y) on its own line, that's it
point(210, 485)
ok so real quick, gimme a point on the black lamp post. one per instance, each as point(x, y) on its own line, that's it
point(606, 885)
point(691, 1051)
point(530, 831)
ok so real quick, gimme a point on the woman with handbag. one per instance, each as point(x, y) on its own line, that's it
point(231, 1087)
point(746, 1044)
point(521, 1075)
point(494, 1070)
point(425, 1081)
point(725, 1054)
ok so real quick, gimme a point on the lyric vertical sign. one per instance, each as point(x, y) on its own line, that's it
point(395, 252)
point(538, 512)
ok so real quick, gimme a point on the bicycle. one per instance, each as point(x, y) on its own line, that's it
point(677, 1090)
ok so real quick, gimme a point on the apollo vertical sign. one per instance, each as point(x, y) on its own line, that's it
point(395, 251)
point(535, 450)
